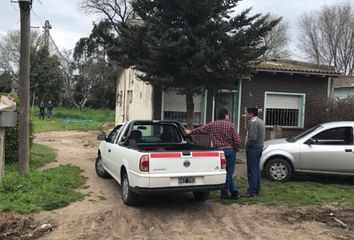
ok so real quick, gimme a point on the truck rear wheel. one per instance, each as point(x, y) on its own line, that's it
point(201, 196)
point(129, 197)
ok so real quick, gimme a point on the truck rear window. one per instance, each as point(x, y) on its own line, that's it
point(155, 133)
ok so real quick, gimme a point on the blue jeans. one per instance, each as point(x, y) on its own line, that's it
point(253, 156)
point(230, 184)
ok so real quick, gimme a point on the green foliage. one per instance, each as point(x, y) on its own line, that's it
point(40, 190)
point(97, 74)
point(303, 190)
point(5, 82)
point(46, 76)
point(100, 116)
point(11, 144)
point(11, 140)
point(191, 45)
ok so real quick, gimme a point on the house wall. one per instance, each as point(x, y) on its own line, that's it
point(253, 94)
point(133, 99)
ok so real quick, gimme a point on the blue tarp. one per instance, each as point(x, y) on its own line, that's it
point(77, 121)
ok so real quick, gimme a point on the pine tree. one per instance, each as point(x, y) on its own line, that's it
point(191, 44)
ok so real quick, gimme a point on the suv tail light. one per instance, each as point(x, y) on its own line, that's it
point(144, 163)
point(222, 161)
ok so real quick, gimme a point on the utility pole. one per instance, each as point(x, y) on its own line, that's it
point(24, 82)
point(46, 27)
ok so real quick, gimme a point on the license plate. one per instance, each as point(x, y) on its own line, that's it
point(186, 180)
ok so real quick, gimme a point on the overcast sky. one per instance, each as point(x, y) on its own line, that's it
point(69, 23)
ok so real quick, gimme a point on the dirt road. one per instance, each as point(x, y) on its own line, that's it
point(102, 214)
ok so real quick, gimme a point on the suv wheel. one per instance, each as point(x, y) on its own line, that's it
point(278, 169)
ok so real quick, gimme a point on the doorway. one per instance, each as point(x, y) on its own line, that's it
point(228, 99)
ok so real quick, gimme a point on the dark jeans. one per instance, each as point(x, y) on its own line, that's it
point(41, 113)
point(50, 113)
point(230, 184)
point(253, 156)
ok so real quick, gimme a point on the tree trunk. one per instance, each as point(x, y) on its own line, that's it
point(190, 109)
point(83, 103)
point(2, 153)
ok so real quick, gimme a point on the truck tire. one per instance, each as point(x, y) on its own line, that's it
point(201, 196)
point(129, 197)
point(278, 169)
point(101, 172)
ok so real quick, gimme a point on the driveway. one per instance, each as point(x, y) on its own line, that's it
point(102, 214)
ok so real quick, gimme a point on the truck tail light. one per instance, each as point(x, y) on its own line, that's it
point(222, 161)
point(144, 163)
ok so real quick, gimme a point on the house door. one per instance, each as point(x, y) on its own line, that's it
point(228, 99)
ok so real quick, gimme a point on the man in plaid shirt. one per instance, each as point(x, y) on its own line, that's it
point(224, 136)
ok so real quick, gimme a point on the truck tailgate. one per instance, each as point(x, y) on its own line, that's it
point(184, 162)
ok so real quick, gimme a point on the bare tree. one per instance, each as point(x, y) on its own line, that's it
point(10, 53)
point(68, 69)
point(327, 36)
point(276, 41)
point(115, 11)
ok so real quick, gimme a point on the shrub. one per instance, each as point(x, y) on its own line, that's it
point(11, 141)
point(334, 109)
point(11, 144)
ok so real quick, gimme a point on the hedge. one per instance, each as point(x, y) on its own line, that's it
point(11, 141)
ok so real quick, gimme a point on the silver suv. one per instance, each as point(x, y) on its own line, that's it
point(326, 148)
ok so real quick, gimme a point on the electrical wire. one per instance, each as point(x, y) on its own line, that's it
point(38, 17)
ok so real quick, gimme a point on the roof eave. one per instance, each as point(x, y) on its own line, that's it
point(299, 72)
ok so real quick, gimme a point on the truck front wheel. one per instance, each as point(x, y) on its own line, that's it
point(101, 172)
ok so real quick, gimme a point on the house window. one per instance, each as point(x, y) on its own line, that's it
point(130, 96)
point(120, 98)
point(182, 116)
point(174, 107)
point(284, 109)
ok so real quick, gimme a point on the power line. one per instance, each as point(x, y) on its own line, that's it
point(40, 2)
point(39, 18)
point(14, 5)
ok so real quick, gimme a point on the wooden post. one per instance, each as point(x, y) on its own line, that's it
point(23, 90)
point(2, 153)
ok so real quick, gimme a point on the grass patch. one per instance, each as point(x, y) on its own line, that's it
point(40, 190)
point(99, 116)
point(303, 190)
point(47, 190)
point(41, 155)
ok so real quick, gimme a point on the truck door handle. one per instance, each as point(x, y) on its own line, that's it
point(348, 150)
point(109, 150)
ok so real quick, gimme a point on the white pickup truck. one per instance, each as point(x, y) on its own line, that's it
point(150, 156)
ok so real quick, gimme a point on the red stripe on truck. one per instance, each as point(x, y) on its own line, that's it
point(165, 155)
point(205, 154)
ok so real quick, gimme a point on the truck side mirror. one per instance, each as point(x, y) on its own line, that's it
point(311, 141)
point(101, 137)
